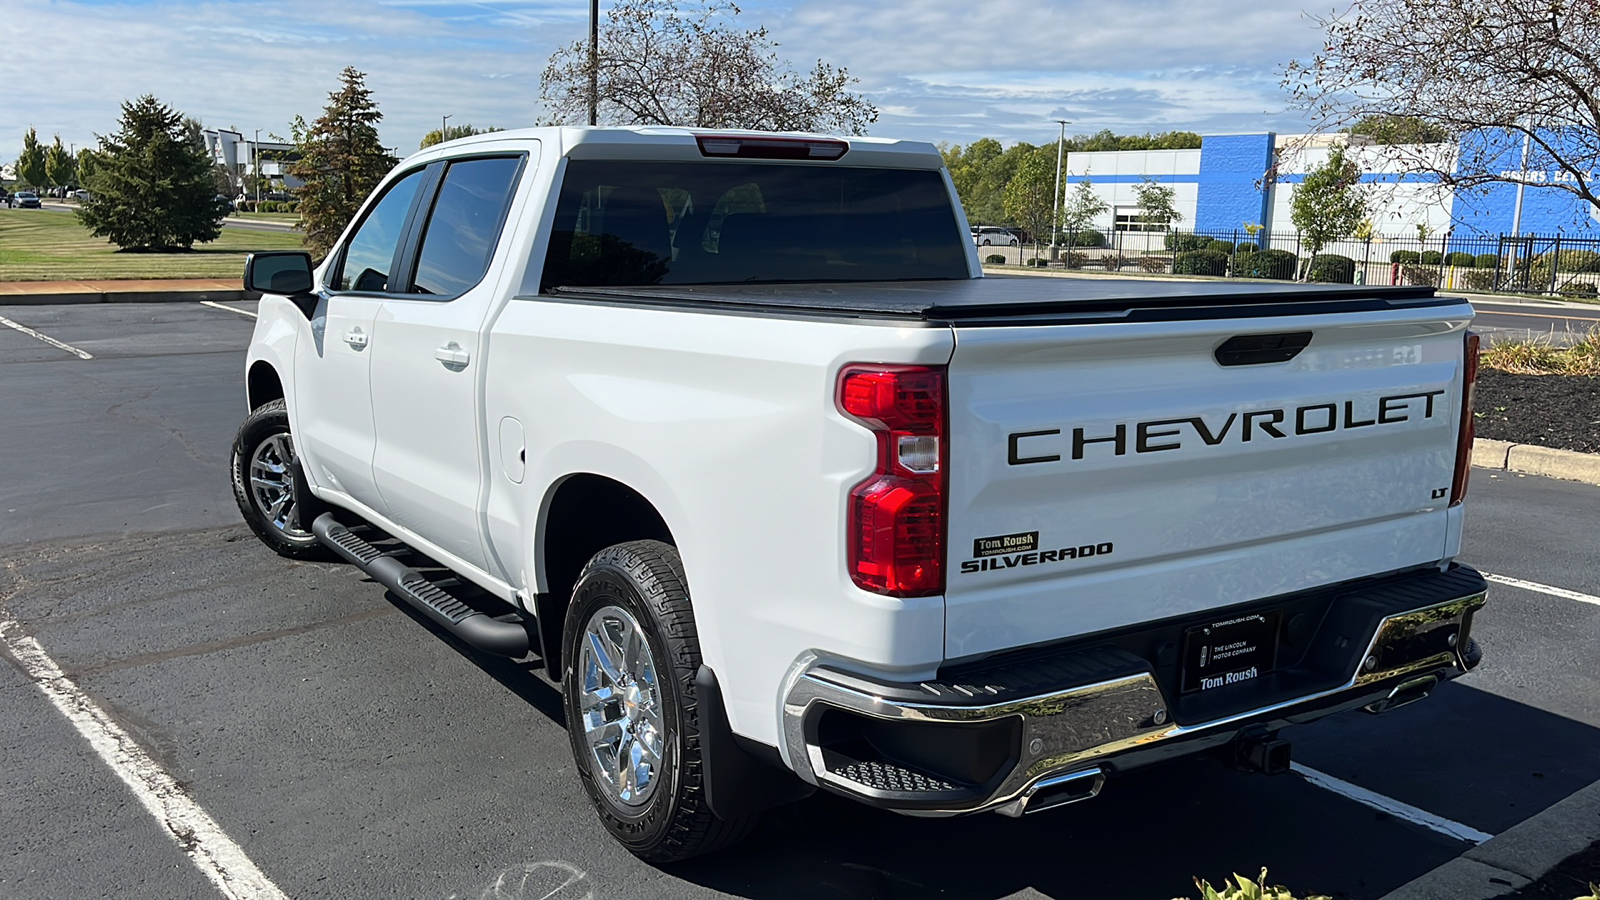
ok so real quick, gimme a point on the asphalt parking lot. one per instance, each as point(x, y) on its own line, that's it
point(350, 751)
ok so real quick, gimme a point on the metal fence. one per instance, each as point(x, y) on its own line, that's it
point(1530, 264)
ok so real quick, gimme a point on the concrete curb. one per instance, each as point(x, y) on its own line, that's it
point(1522, 854)
point(124, 297)
point(1567, 465)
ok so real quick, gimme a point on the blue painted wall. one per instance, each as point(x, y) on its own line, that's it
point(1231, 167)
point(1545, 210)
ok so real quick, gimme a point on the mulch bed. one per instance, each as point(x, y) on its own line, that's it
point(1569, 880)
point(1560, 411)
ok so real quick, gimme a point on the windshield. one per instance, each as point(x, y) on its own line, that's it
point(630, 223)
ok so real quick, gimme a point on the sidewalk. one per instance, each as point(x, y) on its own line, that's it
point(33, 293)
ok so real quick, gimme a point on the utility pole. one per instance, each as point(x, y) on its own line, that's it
point(255, 163)
point(1516, 215)
point(594, 62)
point(443, 124)
point(1055, 217)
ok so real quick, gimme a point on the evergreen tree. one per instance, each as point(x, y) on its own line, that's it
point(340, 162)
point(152, 186)
point(30, 165)
point(59, 166)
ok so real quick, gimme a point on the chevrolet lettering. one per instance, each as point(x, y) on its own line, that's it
point(729, 437)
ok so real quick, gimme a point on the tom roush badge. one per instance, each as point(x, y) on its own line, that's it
point(1006, 551)
point(1230, 652)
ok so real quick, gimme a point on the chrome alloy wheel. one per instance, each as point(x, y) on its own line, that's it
point(620, 703)
point(272, 485)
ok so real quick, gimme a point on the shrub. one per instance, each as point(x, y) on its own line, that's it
point(1405, 257)
point(1086, 238)
point(1247, 246)
point(1183, 243)
point(1200, 262)
point(1487, 260)
point(1582, 289)
point(1464, 260)
point(1432, 258)
point(293, 206)
point(994, 259)
point(1423, 275)
point(1112, 262)
point(1037, 262)
point(1074, 259)
point(1478, 279)
point(1331, 268)
point(1152, 263)
point(1279, 264)
point(1221, 247)
point(1579, 261)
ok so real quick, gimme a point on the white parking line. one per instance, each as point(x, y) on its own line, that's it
point(192, 828)
point(1543, 589)
point(1391, 806)
point(46, 338)
point(242, 312)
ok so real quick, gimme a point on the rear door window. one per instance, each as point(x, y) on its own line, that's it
point(464, 226)
point(629, 223)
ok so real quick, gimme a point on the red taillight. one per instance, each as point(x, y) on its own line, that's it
point(1469, 378)
point(896, 517)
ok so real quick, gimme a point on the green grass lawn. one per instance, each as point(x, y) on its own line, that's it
point(285, 218)
point(40, 245)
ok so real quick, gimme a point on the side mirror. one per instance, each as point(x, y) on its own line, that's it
point(286, 272)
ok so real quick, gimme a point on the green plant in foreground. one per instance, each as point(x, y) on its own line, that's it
point(1246, 889)
point(1594, 893)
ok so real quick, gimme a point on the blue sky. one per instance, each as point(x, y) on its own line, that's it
point(939, 70)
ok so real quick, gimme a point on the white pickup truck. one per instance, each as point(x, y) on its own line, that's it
point(732, 433)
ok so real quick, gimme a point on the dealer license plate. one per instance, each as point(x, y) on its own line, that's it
point(1230, 652)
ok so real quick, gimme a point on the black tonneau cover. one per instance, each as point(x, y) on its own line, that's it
point(999, 300)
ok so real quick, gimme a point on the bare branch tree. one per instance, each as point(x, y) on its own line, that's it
point(1489, 73)
point(688, 62)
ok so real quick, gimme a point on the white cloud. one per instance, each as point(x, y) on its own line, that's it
point(938, 69)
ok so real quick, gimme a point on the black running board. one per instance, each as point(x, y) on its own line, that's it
point(478, 629)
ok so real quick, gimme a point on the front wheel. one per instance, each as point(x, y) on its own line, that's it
point(269, 486)
point(629, 662)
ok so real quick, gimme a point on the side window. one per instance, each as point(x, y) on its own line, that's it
point(464, 225)
point(370, 253)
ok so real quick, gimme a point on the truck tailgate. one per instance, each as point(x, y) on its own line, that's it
point(1114, 473)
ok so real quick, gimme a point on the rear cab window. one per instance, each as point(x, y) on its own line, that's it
point(635, 223)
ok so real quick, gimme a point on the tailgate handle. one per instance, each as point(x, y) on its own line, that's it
point(1256, 349)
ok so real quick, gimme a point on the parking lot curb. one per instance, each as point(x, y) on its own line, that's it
point(1567, 465)
point(56, 293)
point(1513, 859)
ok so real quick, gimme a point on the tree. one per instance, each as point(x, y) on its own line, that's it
point(31, 164)
point(60, 170)
point(341, 161)
point(152, 186)
point(1156, 200)
point(1329, 204)
point(1083, 206)
point(451, 133)
point(85, 164)
point(689, 62)
point(1030, 194)
point(1489, 73)
point(1393, 130)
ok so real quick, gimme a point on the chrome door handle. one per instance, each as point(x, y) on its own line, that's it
point(452, 354)
point(356, 338)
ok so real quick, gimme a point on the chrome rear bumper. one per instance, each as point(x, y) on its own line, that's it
point(1058, 744)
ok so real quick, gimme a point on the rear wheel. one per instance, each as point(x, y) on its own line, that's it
point(630, 658)
point(269, 486)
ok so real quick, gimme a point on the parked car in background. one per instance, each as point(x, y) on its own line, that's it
point(991, 236)
point(28, 200)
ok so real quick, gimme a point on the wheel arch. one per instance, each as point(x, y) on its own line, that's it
point(583, 514)
point(263, 384)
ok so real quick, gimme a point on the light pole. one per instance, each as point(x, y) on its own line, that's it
point(594, 62)
point(443, 124)
point(255, 163)
point(1055, 216)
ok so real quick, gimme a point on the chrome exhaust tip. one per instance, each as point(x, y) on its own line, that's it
point(1404, 694)
point(1057, 790)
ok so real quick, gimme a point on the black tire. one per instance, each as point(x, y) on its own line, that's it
point(288, 533)
point(674, 821)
